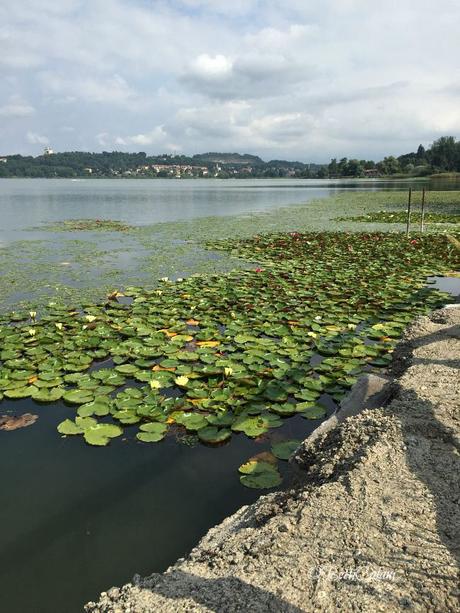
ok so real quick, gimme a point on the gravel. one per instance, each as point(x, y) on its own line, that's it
point(371, 521)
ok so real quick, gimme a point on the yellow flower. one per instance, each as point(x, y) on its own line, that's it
point(182, 381)
point(33, 314)
point(90, 318)
point(228, 371)
point(59, 326)
point(32, 331)
point(155, 385)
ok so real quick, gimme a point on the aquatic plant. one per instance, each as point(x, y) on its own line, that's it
point(219, 355)
point(87, 225)
point(401, 217)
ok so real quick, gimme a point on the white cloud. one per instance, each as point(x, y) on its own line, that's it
point(16, 107)
point(112, 89)
point(37, 139)
point(158, 137)
point(303, 79)
point(212, 67)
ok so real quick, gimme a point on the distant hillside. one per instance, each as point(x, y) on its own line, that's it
point(286, 164)
point(229, 158)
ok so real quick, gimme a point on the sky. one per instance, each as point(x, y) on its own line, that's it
point(284, 79)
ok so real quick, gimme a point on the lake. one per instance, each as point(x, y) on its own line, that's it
point(26, 203)
point(77, 520)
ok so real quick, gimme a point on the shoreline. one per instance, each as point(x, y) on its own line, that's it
point(370, 520)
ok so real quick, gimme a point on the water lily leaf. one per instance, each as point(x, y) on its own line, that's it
point(96, 407)
point(69, 427)
point(192, 421)
point(78, 396)
point(211, 434)
point(19, 392)
point(47, 395)
point(307, 394)
point(284, 409)
point(223, 418)
point(100, 434)
point(284, 449)
point(314, 412)
point(46, 383)
point(275, 392)
point(251, 426)
point(259, 475)
point(126, 369)
point(127, 417)
point(152, 432)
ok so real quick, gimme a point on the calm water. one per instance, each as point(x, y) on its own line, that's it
point(75, 519)
point(26, 203)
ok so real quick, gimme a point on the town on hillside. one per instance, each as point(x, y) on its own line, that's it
point(442, 156)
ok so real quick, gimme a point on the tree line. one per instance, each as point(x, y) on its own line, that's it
point(442, 156)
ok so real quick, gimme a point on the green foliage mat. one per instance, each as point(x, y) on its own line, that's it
point(87, 225)
point(401, 217)
point(228, 354)
point(68, 269)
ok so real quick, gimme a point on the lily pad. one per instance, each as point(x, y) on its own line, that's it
point(100, 434)
point(47, 395)
point(251, 426)
point(259, 475)
point(284, 449)
point(314, 412)
point(192, 421)
point(212, 435)
point(152, 432)
point(78, 396)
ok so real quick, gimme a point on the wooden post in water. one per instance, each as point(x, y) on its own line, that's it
point(422, 218)
point(409, 203)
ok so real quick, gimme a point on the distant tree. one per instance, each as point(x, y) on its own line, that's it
point(342, 167)
point(444, 154)
point(421, 154)
point(389, 166)
point(354, 168)
point(333, 168)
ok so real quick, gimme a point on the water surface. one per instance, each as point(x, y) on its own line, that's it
point(76, 519)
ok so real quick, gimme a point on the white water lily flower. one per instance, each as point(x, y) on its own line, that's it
point(159, 292)
point(32, 331)
point(33, 314)
point(182, 381)
point(318, 317)
point(164, 279)
point(155, 384)
point(59, 326)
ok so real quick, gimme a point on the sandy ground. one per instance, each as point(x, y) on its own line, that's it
point(371, 522)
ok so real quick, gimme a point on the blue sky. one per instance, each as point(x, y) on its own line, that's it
point(297, 79)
